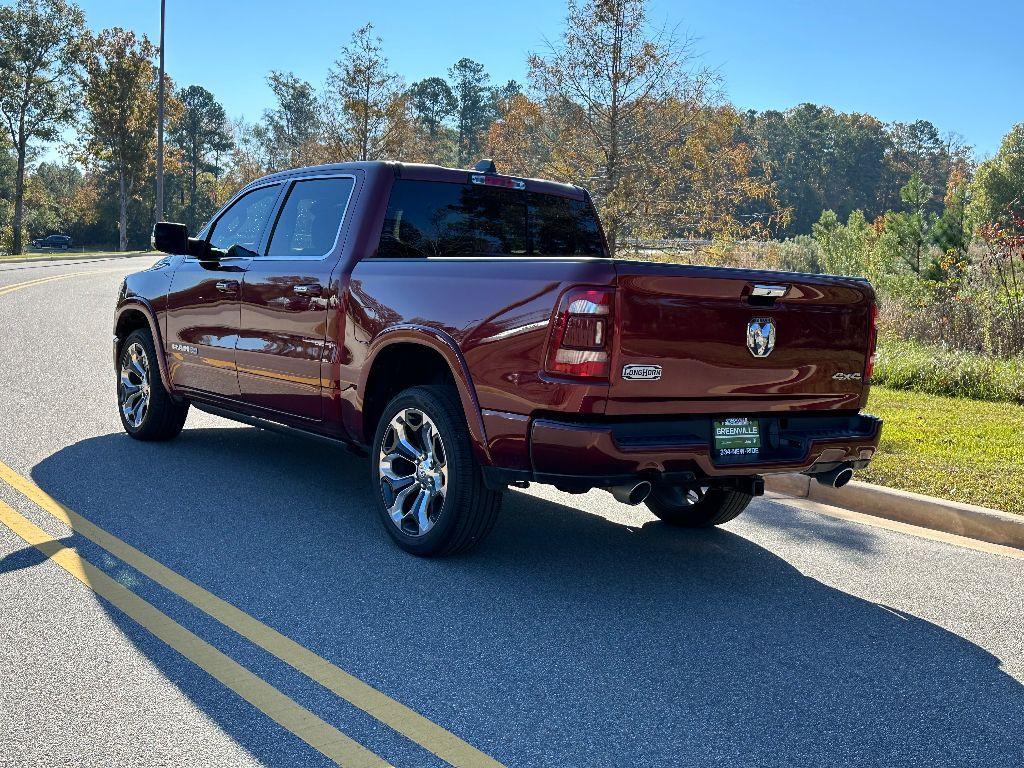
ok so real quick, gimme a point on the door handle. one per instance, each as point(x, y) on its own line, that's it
point(313, 289)
point(227, 286)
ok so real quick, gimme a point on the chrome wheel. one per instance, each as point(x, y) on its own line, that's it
point(133, 390)
point(413, 472)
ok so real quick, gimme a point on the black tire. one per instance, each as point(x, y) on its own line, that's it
point(459, 519)
point(162, 418)
point(682, 507)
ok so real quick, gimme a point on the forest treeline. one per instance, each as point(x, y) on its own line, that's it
point(616, 104)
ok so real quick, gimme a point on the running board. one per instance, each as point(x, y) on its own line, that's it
point(274, 426)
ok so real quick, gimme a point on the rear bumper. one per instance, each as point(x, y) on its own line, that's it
point(595, 453)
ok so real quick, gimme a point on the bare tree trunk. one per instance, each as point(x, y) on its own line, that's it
point(613, 131)
point(461, 154)
point(122, 225)
point(19, 201)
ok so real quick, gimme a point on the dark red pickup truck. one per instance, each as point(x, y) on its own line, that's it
point(468, 331)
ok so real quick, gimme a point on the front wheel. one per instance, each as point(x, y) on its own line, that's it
point(429, 488)
point(696, 506)
point(146, 409)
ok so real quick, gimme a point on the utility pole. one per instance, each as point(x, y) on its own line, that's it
point(160, 125)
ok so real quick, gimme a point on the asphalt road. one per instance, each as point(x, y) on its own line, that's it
point(582, 633)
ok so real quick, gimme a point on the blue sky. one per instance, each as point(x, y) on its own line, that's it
point(960, 65)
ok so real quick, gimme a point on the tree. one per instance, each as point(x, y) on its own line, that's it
point(250, 157)
point(918, 147)
point(616, 94)
point(952, 230)
point(844, 248)
point(40, 53)
point(201, 133)
point(821, 159)
point(8, 167)
point(997, 192)
point(499, 98)
point(521, 138)
point(120, 103)
point(709, 185)
point(473, 107)
point(294, 126)
point(56, 206)
point(433, 103)
point(912, 225)
point(367, 98)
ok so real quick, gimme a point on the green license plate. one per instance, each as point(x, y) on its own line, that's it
point(737, 437)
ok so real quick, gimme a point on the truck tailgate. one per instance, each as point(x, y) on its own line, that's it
point(694, 322)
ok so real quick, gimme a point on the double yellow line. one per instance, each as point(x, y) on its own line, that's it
point(50, 279)
point(319, 734)
point(267, 699)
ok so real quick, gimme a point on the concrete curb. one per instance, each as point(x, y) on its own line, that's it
point(953, 517)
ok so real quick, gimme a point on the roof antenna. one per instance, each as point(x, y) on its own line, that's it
point(485, 166)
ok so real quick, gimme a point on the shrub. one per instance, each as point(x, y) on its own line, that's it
point(903, 364)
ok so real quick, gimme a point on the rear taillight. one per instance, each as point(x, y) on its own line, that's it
point(872, 343)
point(579, 343)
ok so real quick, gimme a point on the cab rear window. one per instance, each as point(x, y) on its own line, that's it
point(430, 218)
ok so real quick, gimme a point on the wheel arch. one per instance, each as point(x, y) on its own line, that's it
point(128, 318)
point(406, 356)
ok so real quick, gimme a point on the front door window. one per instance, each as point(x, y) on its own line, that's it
point(241, 226)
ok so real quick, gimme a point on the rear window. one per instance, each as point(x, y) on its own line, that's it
point(430, 218)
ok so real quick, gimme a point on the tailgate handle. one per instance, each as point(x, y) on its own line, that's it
point(770, 291)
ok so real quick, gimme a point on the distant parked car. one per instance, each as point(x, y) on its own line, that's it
point(63, 242)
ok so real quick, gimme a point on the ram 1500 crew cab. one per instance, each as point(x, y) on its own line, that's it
point(468, 332)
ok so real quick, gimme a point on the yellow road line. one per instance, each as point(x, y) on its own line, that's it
point(322, 736)
point(406, 721)
point(51, 278)
point(37, 281)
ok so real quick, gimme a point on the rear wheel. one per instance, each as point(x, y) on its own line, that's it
point(696, 506)
point(430, 491)
point(146, 409)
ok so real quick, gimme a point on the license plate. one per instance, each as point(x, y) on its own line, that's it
point(737, 437)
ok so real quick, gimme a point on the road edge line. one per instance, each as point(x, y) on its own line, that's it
point(79, 257)
point(286, 712)
point(964, 520)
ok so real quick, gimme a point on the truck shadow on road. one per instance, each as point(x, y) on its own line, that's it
point(566, 639)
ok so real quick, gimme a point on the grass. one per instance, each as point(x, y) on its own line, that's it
point(954, 448)
point(939, 371)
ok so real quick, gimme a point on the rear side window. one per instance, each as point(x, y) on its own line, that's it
point(310, 218)
point(427, 218)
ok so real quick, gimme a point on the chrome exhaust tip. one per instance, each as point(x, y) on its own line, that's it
point(631, 494)
point(836, 478)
